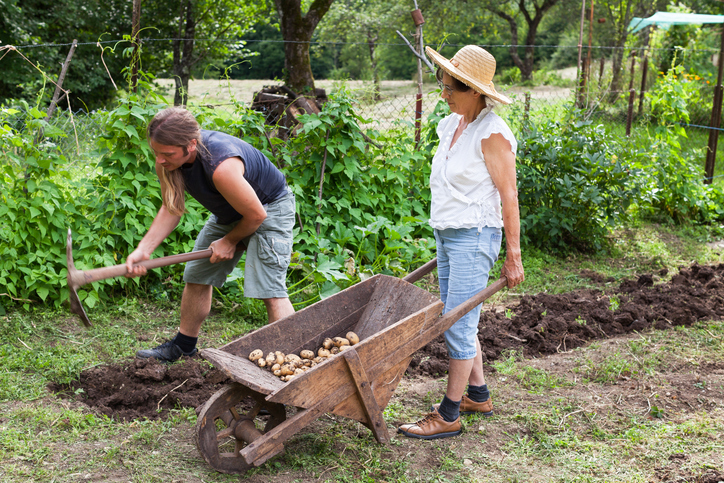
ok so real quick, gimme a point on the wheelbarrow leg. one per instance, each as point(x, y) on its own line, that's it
point(369, 403)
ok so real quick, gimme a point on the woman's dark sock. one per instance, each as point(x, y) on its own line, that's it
point(479, 393)
point(449, 410)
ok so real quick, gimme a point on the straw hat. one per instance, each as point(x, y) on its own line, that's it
point(474, 67)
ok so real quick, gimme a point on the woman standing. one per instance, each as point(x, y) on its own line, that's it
point(473, 174)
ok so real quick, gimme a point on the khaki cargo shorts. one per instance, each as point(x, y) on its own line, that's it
point(268, 253)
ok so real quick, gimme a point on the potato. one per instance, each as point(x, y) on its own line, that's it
point(312, 364)
point(261, 362)
point(256, 354)
point(298, 371)
point(278, 372)
point(340, 341)
point(292, 357)
point(352, 338)
point(271, 359)
point(306, 363)
point(328, 343)
point(317, 360)
point(343, 347)
point(289, 378)
point(280, 357)
point(323, 353)
point(275, 367)
point(334, 350)
point(307, 354)
point(287, 370)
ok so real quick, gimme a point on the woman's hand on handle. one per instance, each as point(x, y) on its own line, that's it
point(513, 270)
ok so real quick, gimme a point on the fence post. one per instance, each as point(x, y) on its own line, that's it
point(526, 112)
point(715, 118)
point(419, 20)
point(600, 69)
point(61, 78)
point(631, 95)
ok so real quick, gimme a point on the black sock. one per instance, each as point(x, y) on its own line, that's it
point(449, 410)
point(479, 393)
point(186, 343)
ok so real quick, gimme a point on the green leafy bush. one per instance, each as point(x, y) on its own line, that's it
point(573, 186)
point(369, 219)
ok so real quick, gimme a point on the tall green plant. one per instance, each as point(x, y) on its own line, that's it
point(574, 185)
point(675, 183)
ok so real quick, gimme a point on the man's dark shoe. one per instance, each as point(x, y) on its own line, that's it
point(166, 352)
point(432, 426)
point(468, 406)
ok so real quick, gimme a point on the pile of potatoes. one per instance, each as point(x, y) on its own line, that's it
point(288, 366)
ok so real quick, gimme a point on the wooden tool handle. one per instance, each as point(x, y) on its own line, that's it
point(79, 277)
point(82, 277)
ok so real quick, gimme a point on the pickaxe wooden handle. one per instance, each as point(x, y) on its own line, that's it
point(76, 278)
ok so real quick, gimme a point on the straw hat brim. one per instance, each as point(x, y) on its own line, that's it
point(447, 66)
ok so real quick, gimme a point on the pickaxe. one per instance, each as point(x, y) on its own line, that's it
point(76, 278)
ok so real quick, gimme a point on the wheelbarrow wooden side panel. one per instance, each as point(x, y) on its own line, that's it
point(347, 310)
point(307, 328)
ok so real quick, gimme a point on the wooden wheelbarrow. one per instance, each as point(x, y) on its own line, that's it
point(392, 318)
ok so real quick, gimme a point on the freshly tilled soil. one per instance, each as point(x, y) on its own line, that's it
point(539, 325)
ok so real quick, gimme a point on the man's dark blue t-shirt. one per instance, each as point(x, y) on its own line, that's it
point(266, 180)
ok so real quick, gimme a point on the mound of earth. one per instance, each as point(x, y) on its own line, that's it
point(540, 324)
point(544, 324)
point(145, 388)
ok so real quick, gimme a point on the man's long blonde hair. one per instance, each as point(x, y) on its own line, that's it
point(174, 126)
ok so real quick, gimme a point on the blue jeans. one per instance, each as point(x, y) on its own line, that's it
point(465, 257)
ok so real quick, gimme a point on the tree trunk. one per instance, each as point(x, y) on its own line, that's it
point(372, 43)
point(618, 53)
point(526, 64)
point(183, 59)
point(297, 30)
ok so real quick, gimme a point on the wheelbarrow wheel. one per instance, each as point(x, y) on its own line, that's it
point(223, 428)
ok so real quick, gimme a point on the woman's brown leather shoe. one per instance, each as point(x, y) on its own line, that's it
point(432, 426)
point(468, 406)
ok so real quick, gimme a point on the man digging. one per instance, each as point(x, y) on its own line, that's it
point(250, 204)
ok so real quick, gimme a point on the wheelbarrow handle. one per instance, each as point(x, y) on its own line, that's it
point(416, 275)
point(448, 319)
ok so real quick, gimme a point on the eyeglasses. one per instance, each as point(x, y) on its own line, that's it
point(447, 88)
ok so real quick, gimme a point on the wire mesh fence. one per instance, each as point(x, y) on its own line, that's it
point(552, 95)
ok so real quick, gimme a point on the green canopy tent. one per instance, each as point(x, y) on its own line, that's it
point(665, 20)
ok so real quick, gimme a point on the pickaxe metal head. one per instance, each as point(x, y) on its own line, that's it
point(75, 306)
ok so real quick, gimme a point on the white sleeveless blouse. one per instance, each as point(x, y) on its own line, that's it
point(463, 193)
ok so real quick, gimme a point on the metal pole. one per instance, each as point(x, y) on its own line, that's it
point(580, 48)
point(631, 95)
point(715, 118)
